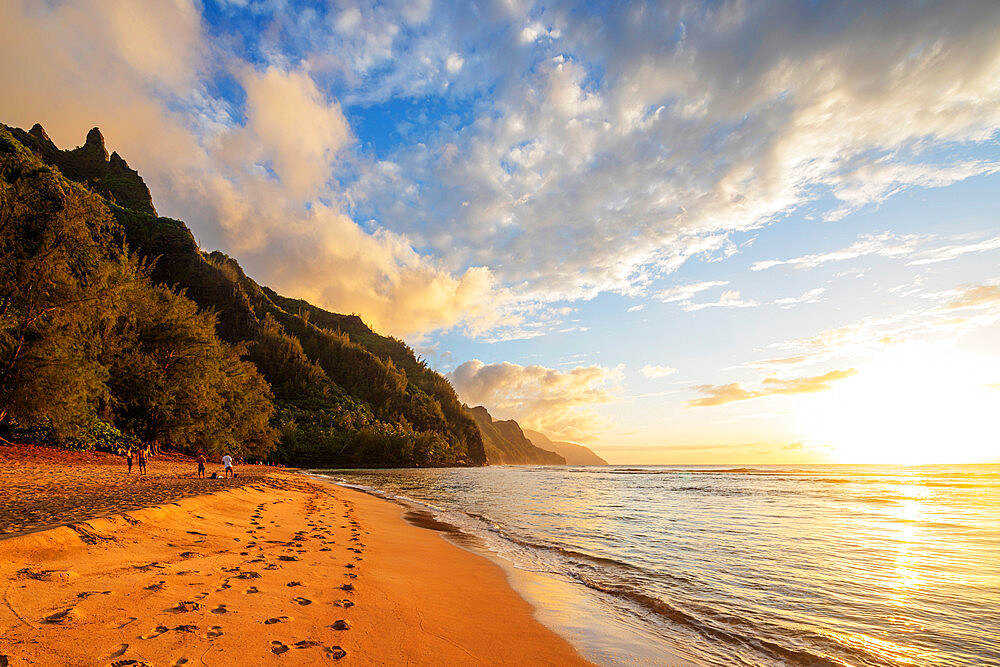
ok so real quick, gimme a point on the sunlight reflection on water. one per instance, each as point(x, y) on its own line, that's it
point(859, 565)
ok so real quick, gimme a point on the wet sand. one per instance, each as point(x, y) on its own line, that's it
point(275, 569)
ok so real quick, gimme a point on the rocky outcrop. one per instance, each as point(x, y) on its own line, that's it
point(505, 443)
point(575, 455)
point(90, 164)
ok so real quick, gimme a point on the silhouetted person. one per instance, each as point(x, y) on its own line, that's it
point(128, 459)
point(141, 456)
point(201, 465)
point(227, 462)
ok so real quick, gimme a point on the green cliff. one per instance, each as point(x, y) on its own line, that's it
point(337, 393)
point(505, 442)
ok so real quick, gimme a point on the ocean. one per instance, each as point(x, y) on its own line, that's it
point(760, 565)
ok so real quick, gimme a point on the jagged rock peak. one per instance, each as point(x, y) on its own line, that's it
point(38, 132)
point(95, 141)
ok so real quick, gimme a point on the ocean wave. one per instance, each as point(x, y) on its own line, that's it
point(745, 647)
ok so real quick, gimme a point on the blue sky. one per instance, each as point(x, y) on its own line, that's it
point(678, 232)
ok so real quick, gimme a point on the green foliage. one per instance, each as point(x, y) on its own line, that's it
point(92, 355)
point(179, 347)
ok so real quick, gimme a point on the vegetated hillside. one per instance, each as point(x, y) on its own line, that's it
point(505, 442)
point(92, 353)
point(342, 394)
point(575, 455)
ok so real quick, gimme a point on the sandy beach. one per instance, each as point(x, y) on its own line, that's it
point(272, 568)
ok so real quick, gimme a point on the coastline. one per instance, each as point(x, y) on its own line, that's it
point(279, 569)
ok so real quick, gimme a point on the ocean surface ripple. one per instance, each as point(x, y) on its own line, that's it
point(762, 565)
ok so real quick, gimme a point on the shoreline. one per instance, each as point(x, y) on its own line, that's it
point(280, 569)
point(576, 612)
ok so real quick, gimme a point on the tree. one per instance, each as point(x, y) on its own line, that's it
point(53, 276)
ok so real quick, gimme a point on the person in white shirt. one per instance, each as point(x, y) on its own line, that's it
point(227, 462)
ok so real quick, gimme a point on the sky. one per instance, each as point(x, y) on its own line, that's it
point(677, 232)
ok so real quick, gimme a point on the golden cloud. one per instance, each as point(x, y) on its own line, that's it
point(559, 403)
point(976, 296)
point(771, 386)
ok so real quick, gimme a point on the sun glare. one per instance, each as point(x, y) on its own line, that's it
point(910, 408)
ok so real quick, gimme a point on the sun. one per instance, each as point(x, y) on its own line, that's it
point(910, 407)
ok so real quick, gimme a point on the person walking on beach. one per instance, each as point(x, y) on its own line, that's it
point(201, 464)
point(227, 462)
point(143, 453)
point(128, 459)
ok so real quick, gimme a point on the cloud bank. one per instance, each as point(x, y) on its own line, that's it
point(560, 403)
point(533, 152)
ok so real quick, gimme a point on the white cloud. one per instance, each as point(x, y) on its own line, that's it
point(728, 299)
point(810, 296)
point(884, 245)
point(574, 157)
point(950, 252)
point(626, 150)
point(686, 292)
point(657, 371)
point(888, 245)
point(453, 63)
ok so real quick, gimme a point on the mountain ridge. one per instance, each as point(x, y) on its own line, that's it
point(343, 394)
point(574, 453)
point(505, 442)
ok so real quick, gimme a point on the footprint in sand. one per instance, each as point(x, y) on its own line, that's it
point(150, 566)
point(251, 590)
point(335, 652)
point(221, 609)
point(302, 601)
point(155, 632)
point(347, 587)
point(214, 631)
point(344, 603)
point(291, 558)
point(187, 628)
point(278, 648)
point(277, 619)
point(349, 566)
point(292, 584)
point(86, 594)
point(179, 662)
point(351, 575)
point(307, 643)
point(69, 615)
point(122, 622)
point(325, 549)
point(117, 652)
point(187, 605)
point(130, 663)
point(341, 624)
point(60, 576)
